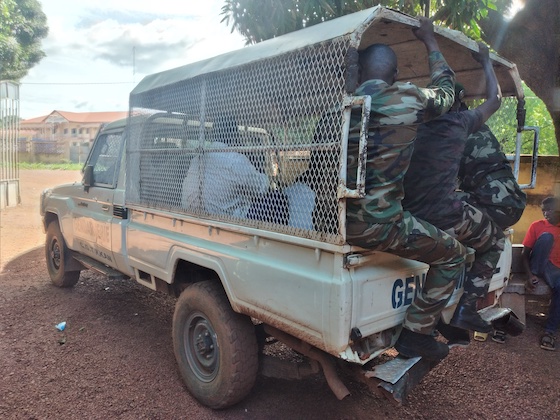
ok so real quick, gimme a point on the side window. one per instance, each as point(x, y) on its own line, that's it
point(105, 159)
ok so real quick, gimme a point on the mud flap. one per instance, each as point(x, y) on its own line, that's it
point(503, 319)
point(397, 377)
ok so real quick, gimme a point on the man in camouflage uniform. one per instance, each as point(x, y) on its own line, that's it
point(430, 193)
point(377, 221)
point(487, 180)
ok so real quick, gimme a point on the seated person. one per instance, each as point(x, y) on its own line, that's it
point(301, 202)
point(223, 182)
point(541, 258)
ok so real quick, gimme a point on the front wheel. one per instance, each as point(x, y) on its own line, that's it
point(57, 254)
point(215, 347)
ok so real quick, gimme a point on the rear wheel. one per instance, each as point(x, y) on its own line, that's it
point(215, 347)
point(57, 254)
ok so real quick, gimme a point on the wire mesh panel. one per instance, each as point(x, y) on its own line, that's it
point(256, 145)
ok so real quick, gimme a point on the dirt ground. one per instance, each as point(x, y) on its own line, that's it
point(115, 358)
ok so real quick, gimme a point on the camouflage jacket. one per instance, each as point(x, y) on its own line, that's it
point(396, 111)
point(486, 173)
point(431, 180)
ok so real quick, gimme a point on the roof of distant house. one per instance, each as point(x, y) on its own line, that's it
point(78, 117)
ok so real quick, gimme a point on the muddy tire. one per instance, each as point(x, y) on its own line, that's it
point(57, 254)
point(215, 347)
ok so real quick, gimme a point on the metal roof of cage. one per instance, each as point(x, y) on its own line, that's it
point(374, 25)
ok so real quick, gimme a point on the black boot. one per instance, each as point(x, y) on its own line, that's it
point(466, 316)
point(412, 344)
point(456, 337)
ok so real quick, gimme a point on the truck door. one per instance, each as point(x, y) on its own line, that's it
point(94, 205)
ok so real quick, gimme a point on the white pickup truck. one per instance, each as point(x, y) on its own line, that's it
point(202, 193)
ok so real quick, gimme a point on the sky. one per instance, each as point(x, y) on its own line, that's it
point(98, 51)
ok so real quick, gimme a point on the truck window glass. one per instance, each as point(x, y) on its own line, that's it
point(105, 159)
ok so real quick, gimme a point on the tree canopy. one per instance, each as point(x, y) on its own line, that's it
point(22, 27)
point(258, 20)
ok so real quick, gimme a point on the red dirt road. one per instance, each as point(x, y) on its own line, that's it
point(115, 358)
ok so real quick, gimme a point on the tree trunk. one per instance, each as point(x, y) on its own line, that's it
point(532, 40)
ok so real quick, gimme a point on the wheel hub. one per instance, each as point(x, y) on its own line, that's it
point(201, 347)
point(205, 344)
point(55, 254)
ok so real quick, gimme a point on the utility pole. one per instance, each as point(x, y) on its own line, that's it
point(133, 64)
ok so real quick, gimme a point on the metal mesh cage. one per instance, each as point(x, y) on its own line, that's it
point(257, 145)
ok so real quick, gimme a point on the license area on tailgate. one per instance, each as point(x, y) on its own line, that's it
point(384, 287)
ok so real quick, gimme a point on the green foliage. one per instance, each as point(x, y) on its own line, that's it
point(53, 166)
point(258, 20)
point(504, 125)
point(463, 15)
point(22, 27)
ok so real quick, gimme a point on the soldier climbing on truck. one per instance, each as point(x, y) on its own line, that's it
point(377, 221)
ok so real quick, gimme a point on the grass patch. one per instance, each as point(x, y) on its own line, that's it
point(53, 166)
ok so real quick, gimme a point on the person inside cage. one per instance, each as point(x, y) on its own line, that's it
point(222, 181)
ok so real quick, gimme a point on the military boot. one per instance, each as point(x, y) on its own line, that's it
point(413, 344)
point(456, 337)
point(467, 317)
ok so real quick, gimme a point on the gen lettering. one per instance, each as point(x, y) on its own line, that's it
point(405, 290)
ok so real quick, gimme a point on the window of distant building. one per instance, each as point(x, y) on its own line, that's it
point(65, 131)
point(74, 130)
point(81, 130)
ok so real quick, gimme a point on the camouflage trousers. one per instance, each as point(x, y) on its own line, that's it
point(476, 230)
point(418, 240)
point(501, 199)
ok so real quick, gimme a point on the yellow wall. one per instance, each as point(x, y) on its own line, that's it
point(548, 183)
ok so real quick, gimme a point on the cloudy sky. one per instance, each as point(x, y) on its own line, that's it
point(89, 64)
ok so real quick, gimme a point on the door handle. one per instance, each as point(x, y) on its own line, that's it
point(105, 208)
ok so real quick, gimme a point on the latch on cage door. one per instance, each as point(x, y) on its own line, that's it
point(349, 103)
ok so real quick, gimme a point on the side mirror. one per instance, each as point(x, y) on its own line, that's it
point(88, 177)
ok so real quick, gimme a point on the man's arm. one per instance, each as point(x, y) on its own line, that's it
point(493, 92)
point(441, 93)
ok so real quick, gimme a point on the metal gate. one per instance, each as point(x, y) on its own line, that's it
point(9, 132)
